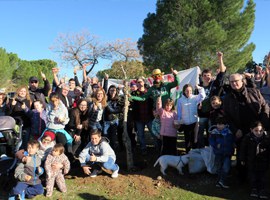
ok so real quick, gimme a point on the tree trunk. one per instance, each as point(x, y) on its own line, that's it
point(126, 139)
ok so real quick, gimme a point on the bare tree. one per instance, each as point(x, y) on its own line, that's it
point(81, 48)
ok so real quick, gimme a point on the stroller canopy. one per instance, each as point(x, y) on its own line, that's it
point(7, 122)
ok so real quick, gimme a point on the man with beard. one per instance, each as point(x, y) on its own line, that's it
point(160, 88)
point(37, 93)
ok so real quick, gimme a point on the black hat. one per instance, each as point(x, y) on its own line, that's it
point(33, 78)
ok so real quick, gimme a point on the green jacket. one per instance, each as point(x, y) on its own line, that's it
point(164, 91)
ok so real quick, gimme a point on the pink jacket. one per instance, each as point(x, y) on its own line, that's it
point(167, 119)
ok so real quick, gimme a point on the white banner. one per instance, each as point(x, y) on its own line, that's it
point(190, 76)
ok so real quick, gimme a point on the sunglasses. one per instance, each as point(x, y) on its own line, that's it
point(157, 75)
point(34, 81)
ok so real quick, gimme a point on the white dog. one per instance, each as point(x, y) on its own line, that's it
point(177, 162)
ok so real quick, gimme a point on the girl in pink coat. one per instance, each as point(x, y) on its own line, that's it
point(168, 131)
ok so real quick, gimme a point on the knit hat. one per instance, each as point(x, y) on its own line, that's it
point(50, 134)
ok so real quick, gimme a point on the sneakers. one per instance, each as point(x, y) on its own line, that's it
point(254, 193)
point(263, 195)
point(221, 184)
point(95, 173)
point(115, 173)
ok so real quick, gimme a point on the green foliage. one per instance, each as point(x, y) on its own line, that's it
point(133, 69)
point(6, 66)
point(183, 34)
point(27, 69)
point(15, 71)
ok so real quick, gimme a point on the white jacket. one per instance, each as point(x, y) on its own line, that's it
point(187, 107)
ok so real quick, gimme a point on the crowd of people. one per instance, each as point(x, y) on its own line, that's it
point(84, 121)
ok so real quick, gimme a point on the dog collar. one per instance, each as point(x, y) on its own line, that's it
point(180, 160)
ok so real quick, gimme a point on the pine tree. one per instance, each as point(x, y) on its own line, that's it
point(183, 34)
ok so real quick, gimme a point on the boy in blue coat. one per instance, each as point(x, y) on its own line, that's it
point(27, 173)
point(222, 141)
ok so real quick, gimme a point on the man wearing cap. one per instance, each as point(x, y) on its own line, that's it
point(37, 93)
point(159, 88)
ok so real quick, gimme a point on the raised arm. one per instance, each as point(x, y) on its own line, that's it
point(222, 67)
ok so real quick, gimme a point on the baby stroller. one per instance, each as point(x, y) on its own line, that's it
point(10, 142)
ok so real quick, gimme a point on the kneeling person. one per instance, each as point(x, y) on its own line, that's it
point(98, 152)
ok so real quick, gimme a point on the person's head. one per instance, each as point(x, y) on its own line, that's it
point(257, 128)
point(78, 91)
point(95, 137)
point(33, 83)
point(215, 102)
point(221, 123)
point(112, 92)
point(82, 105)
point(71, 84)
point(100, 95)
point(95, 87)
point(65, 90)
point(2, 98)
point(94, 80)
point(58, 149)
point(157, 75)
point(32, 147)
point(38, 105)
point(133, 86)
point(54, 99)
point(236, 81)
point(206, 76)
point(187, 90)
point(22, 92)
point(169, 105)
point(140, 82)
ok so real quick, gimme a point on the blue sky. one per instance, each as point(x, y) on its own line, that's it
point(29, 27)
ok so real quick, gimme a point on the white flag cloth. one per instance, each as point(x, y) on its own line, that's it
point(190, 76)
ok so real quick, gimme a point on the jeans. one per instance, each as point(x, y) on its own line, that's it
point(30, 190)
point(109, 164)
point(223, 164)
point(203, 125)
point(140, 132)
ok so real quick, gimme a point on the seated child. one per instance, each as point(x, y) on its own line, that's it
point(255, 154)
point(222, 141)
point(28, 173)
point(56, 175)
point(98, 151)
point(46, 142)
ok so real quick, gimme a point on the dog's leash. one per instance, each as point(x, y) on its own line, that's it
point(180, 160)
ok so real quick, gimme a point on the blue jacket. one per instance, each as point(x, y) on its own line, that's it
point(222, 141)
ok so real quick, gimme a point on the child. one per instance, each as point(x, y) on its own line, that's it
point(254, 153)
point(46, 142)
point(187, 114)
point(168, 132)
point(38, 119)
point(28, 173)
point(222, 141)
point(98, 151)
point(216, 110)
point(156, 129)
point(56, 155)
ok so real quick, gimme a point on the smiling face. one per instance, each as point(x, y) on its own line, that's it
point(22, 93)
point(188, 92)
point(236, 81)
point(257, 131)
point(95, 139)
point(83, 106)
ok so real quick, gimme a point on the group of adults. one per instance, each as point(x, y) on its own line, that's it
point(73, 110)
